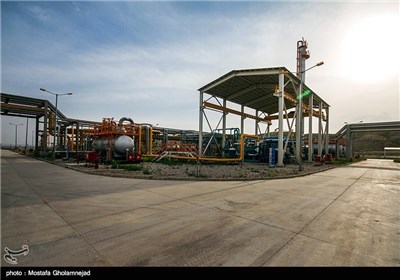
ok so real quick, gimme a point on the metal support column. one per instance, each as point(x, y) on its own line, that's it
point(280, 125)
point(201, 108)
point(77, 133)
point(44, 137)
point(310, 130)
point(337, 146)
point(327, 131)
point(320, 130)
point(242, 120)
point(26, 135)
point(37, 134)
point(298, 131)
point(256, 124)
point(349, 143)
point(65, 141)
point(223, 127)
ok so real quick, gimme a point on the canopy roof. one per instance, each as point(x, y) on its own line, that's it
point(255, 88)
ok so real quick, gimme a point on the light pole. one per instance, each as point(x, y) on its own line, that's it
point(55, 117)
point(300, 115)
point(16, 133)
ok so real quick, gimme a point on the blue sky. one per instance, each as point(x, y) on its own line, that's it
point(146, 60)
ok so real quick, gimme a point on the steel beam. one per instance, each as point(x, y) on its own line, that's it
point(320, 130)
point(224, 113)
point(327, 131)
point(201, 108)
point(37, 134)
point(232, 111)
point(349, 143)
point(44, 138)
point(298, 131)
point(280, 124)
point(5, 106)
point(242, 117)
point(256, 124)
point(310, 129)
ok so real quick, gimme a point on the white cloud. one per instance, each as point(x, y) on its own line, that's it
point(39, 13)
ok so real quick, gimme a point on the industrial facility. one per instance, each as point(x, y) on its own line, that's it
point(263, 95)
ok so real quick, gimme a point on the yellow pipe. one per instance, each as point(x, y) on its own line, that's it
point(232, 111)
point(150, 151)
point(51, 126)
point(242, 136)
point(140, 140)
point(240, 158)
point(151, 140)
point(148, 155)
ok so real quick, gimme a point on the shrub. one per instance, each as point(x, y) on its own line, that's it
point(114, 165)
point(132, 167)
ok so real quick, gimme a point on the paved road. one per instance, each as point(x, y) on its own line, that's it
point(348, 216)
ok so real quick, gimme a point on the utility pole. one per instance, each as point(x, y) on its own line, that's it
point(16, 133)
point(55, 118)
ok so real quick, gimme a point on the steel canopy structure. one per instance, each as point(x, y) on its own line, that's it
point(271, 93)
point(254, 88)
point(348, 131)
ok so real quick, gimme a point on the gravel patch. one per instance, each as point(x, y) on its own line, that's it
point(192, 171)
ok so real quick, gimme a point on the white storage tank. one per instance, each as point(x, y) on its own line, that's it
point(119, 145)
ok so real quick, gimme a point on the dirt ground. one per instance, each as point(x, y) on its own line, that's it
point(193, 171)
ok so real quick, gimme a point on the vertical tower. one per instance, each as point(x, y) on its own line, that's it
point(302, 55)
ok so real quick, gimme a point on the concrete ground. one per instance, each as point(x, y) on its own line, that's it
point(347, 216)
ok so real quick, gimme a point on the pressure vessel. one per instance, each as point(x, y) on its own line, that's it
point(122, 144)
point(119, 145)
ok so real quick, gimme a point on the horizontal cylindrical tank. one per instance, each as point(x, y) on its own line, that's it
point(119, 145)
